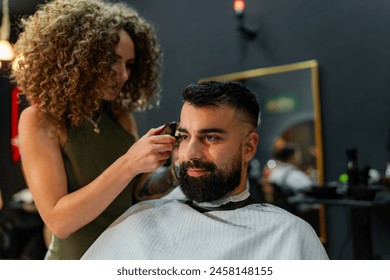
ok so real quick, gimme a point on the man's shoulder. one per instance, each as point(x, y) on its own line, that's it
point(263, 217)
point(265, 208)
point(271, 214)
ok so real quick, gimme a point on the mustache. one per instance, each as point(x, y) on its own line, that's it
point(208, 166)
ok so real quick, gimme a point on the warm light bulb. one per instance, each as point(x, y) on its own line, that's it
point(6, 51)
point(239, 6)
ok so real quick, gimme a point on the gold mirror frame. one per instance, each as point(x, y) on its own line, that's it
point(311, 65)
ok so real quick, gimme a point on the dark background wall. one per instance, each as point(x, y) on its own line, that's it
point(350, 39)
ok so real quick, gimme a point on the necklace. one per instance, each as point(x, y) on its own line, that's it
point(96, 128)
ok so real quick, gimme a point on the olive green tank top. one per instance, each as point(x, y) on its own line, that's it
point(86, 155)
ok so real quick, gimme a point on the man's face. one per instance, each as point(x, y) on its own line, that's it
point(211, 152)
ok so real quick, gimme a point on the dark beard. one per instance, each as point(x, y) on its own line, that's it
point(212, 186)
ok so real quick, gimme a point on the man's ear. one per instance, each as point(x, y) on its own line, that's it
point(250, 146)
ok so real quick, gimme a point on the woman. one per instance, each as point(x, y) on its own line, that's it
point(84, 66)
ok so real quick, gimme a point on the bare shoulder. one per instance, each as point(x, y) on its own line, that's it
point(33, 119)
point(34, 122)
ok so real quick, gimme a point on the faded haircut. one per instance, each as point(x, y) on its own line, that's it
point(214, 94)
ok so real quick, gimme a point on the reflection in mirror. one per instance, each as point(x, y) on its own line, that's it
point(290, 111)
point(302, 134)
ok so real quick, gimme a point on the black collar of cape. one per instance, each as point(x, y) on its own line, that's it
point(224, 207)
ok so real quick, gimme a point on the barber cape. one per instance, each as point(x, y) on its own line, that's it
point(170, 229)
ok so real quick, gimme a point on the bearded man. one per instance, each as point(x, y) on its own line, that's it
point(211, 215)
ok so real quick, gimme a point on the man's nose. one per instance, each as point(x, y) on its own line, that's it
point(193, 149)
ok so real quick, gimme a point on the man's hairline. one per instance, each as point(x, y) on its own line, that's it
point(237, 113)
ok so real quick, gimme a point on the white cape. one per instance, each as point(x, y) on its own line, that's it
point(169, 229)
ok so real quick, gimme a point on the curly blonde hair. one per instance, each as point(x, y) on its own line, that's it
point(67, 49)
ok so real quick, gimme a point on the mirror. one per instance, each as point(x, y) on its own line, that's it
point(290, 110)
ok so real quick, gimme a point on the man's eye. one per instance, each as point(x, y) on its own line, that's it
point(182, 137)
point(210, 138)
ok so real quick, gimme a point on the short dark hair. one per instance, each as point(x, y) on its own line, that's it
point(285, 153)
point(213, 94)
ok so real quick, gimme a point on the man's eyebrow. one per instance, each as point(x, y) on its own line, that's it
point(205, 130)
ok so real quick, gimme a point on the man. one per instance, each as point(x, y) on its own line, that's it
point(286, 173)
point(217, 219)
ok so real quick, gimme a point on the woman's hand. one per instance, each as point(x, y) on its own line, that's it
point(150, 151)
